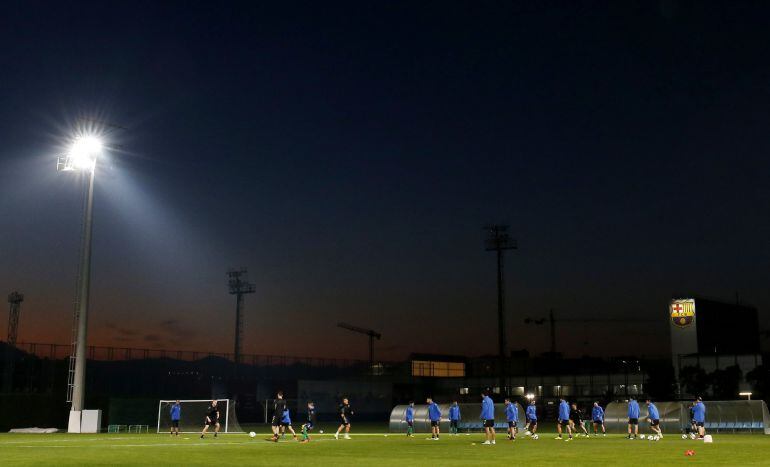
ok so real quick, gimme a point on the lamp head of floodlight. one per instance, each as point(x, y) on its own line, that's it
point(82, 154)
point(84, 150)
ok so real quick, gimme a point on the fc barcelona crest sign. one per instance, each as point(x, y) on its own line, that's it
point(682, 312)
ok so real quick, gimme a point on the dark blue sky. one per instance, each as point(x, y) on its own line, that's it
point(349, 153)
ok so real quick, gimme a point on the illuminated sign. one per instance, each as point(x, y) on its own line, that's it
point(438, 369)
point(682, 312)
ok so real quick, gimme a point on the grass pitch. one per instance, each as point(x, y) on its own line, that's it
point(375, 449)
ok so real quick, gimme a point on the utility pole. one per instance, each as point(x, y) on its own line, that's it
point(369, 332)
point(239, 285)
point(499, 240)
point(14, 299)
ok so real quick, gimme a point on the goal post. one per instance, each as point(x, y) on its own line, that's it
point(193, 415)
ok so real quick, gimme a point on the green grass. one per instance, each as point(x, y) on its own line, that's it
point(374, 449)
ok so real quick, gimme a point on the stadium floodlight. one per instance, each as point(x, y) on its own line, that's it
point(530, 396)
point(745, 394)
point(81, 158)
point(82, 154)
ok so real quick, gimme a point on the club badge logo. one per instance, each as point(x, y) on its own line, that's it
point(682, 312)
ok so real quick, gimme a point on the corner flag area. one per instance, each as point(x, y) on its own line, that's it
point(377, 449)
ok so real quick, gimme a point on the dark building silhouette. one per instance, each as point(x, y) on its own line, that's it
point(726, 328)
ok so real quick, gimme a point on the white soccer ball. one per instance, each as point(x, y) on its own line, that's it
point(252, 435)
point(641, 436)
point(321, 431)
point(692, 435)
point(684, 436)
point(657, 437)
point(535, 436)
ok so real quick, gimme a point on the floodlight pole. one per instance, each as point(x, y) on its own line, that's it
point(14, 300)
point(239, 285)
point(84, 285)
point(499, 240)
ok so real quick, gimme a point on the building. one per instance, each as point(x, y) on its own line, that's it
point(712, 335)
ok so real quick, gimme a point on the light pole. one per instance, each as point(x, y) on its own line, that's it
point(81, 158)
point(499, 240)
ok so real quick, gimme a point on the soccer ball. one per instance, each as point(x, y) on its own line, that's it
point(535, 436)
point(657, 437)
point(641, 436)
point(252, 435)
point(322, 432)
point(684, 436)
point(692, 435)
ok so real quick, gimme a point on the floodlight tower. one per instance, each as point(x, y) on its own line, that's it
point(82, 159)
point(499, 240)
point(238, 282)
point(14, 299)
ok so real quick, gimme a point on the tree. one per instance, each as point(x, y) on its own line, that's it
point(694, 380)
point(660, 382)
point(759, 378)
point(725, 383)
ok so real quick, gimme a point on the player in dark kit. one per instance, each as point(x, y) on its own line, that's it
point(212, 419)
point(345, 412)
point(307, 427)
point(279, 407)
point(576, 418)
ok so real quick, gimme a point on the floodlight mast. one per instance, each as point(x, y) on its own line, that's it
point(82, 157)
point(498, 240)
point(14, 300)
point(238, 284)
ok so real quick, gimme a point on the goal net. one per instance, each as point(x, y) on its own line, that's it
point(193, 415)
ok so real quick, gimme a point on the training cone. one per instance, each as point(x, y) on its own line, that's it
point(689, 452)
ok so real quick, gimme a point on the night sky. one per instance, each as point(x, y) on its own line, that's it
point(349, 154)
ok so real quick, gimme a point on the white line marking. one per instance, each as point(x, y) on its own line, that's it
point(70, 440)
point(132, 445)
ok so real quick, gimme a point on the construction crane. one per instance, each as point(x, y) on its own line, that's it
point(369, 332)
point(552, 323)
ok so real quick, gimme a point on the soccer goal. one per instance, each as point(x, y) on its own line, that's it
point(193, 415)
